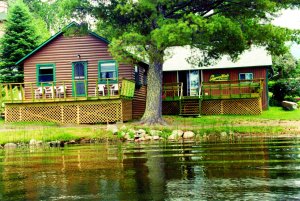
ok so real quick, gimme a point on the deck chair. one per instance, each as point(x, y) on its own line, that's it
point(114, 88)
point(60, 91)
point(49, 92)
point(38, 93)
point(101, 89)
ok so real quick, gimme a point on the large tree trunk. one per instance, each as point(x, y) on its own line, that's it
point(153, 112)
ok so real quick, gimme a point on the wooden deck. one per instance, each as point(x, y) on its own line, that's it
point(21, 103)
point(223, 97)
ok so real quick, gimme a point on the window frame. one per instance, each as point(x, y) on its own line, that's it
point(38, 66)
point(116, 70)
point(245, 76)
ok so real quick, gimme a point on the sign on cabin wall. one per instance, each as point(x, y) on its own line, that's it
point(219, 77)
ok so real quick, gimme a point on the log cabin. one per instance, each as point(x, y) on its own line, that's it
point(226, 87)
point(73, 78)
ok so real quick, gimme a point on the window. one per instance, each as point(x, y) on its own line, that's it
point(138, 83)
point(246, 76)
point(108, 70)
point(45, 73)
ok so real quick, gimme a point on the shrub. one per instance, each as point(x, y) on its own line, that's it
point(284, 89)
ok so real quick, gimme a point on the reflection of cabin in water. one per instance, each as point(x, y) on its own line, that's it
point(224, 88)
point(72, 78)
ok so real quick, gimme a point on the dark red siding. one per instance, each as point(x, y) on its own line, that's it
point(258, 73)
point(62, 51)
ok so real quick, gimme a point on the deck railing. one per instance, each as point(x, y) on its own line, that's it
point(67, 90)
point(217, 90)
point(172, 91)
point(232, 89)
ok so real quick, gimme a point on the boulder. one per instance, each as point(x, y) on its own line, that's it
point(155, 137)
point(34, 142)
point(141, 132)
point(289, 105)
point(112, 127)
point(188, 135)
point(177, 133)
point(10, 146)
point(223, 134)
point(172, 137)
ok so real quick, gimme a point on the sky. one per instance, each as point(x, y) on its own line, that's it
point(290, 19)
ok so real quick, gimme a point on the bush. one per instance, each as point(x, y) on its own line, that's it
point(284, 89)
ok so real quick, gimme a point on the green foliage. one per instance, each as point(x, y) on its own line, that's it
point(285, 66)
point(80, 30)
point(19, 39)
point(284, 89)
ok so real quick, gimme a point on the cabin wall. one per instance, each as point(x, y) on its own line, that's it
point(139, 99)
point(258, 73)
point(62, 51)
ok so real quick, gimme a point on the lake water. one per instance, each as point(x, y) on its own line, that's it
point(251, 169)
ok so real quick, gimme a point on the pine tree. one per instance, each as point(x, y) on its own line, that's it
point(19, 39)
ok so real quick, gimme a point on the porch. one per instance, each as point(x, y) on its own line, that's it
point(220, 97)
point(64, 102)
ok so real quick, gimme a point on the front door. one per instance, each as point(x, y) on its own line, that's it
point(193, 82)
point(79, 75)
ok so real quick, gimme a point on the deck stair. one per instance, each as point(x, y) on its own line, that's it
point(190, 106)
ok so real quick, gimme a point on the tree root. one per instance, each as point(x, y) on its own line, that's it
point(153, 122)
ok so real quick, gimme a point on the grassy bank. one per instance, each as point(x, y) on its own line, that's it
point(273, 122)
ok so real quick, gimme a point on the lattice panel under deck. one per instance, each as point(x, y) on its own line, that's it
point(127, 110)
point(211, 107)
point(105, 112)
point(242, 106)
point(170, 107)
point(41, 113)
point(232, 106)
point(70, 112)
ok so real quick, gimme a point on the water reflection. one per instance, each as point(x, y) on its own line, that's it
point(251, 169)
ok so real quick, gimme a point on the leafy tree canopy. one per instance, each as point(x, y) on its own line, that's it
point(285, 66)
point(217, 27)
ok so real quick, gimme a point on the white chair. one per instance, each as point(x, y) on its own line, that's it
point(49, 92)
point(38, 93)
point(60, 91)
point(114, 88)
point(101, 89)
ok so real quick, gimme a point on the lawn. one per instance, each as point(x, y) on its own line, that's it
point(275, 121)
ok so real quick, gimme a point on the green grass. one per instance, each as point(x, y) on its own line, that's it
point(265, 124)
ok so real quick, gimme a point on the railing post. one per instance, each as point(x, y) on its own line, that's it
point(97, 89)
point(108, 88)
point(22, 92)
point(86, 89)
point(65, 90)
point(75, 90)
point(53, 91)
point(43, 92)
point(31, 89)
point(11, 93)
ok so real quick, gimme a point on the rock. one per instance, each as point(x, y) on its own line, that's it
point(10, 146)
point(113, 128)
point(72, 142)
point(172, 137)
point(188, 134)
point(147, 137)
point(156, 137)
point(177, 133)
point(141, 132)
point(289, 105)
point(57, 143)
point(223, 134)
point(34, 142)
point(155, 132)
